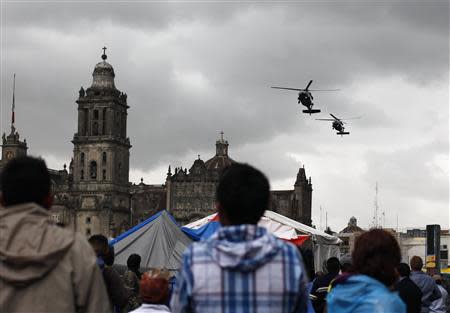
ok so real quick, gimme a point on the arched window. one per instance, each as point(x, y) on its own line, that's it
point(104, 174)
point(82, 158)
point(95, 129)
point(104, 158)
point(93, 170)
point(82, 175)
point(104, 121)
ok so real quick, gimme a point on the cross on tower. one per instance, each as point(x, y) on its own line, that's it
point(104, 53)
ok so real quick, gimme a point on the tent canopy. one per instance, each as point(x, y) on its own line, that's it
point(324, 245)
point(158, 240)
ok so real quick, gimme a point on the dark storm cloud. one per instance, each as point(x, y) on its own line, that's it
point(194, 69)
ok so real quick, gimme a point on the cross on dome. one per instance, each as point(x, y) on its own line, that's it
point(104, 57)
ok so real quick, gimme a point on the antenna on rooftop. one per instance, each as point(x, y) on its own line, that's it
point(375, 214)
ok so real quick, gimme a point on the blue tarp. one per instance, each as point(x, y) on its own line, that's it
point(203, 232)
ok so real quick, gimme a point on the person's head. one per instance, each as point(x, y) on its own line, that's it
point(134, 262)
point(333, 265)
point(242, 195)
point(154, 287)
point(416, 263)
point(26, 179)
point(403, 270)
point(346, 263)
point(377, 254)
point(438, 279)
point(100, 245)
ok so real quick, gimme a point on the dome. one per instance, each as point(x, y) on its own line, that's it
point(221, 159)
point(103, 75)
point(218, 163)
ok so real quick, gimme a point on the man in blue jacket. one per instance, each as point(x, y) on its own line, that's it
point(427, 285)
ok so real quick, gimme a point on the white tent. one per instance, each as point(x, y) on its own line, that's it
point(158, 240)
point(324, 245)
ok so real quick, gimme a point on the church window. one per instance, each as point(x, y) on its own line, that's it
point(104, 174)
point(120, 170)
point(88, 219)
point(88, 231)
point(104, 121)
point(85, 121)
point(95, 129)
point(104, 158)
point(95, 114)
point(82, 158)
point(93, 170)
point(82, 174)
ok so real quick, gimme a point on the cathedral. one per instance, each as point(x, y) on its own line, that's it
point(93, 195)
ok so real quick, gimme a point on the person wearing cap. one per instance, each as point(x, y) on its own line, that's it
point(439, 305)
point(154, 292)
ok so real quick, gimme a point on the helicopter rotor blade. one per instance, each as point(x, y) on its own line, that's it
point(323, 89)
point(335, 117)
point(286, 88)
point(309, 84)
point(325, 119)
point(351, 118)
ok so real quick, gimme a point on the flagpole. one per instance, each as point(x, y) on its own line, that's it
point(13, 104)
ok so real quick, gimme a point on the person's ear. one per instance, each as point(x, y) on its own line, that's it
point(47, 202)
point(223, 219)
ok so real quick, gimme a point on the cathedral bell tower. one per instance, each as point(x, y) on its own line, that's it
point(101, 155)
point(11, 145)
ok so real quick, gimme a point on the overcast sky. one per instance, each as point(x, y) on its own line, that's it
point(193, 69)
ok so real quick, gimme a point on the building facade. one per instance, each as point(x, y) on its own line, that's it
point(93, 195)
point(191, 192)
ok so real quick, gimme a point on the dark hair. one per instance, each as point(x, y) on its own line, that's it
point(243, 193)
point(403, 269)
point(333, 265)
point(377, 254)
point(416, 263)
point(99, 239)
point(134, 261)
point(100, 244)
point(25, 179)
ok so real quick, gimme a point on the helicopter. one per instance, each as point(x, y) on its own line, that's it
point(338, 124)
point(305, 97)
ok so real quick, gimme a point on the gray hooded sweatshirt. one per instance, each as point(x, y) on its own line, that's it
point(46, 268)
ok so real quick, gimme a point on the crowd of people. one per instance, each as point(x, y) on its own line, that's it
point(241, 268)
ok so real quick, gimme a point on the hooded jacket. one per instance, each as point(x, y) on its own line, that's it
point(362, 294)
point(46, 268)
point(241, 268)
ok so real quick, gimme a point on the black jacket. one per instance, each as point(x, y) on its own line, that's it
point(319, 291)
point(410, 294)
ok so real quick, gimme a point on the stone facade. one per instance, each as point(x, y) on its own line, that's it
point(94, 194)
point(191, 193)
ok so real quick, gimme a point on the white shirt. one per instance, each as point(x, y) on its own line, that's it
point(151, 308)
